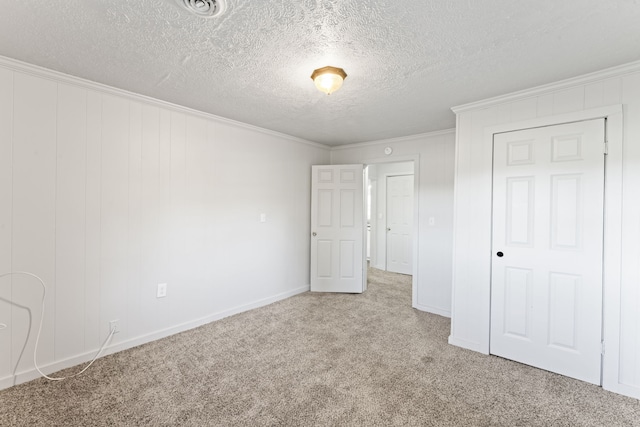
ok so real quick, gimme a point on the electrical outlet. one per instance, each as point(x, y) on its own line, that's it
point(113, 326)
point(162, 290)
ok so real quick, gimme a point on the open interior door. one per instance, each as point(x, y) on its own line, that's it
point(338, 261)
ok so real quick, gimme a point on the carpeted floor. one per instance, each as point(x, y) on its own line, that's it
point(316, 359)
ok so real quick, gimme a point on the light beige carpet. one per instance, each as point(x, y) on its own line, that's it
point(316, 359)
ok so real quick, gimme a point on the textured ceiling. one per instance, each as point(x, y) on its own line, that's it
point(408, 61)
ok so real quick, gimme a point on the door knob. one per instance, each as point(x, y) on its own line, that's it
point(388, 229)
point(500, 254)
point(314, 234)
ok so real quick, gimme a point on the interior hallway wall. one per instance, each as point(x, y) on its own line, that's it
point(435, 169)
point(105, 194)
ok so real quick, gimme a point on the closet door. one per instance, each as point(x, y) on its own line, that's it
point(546, 286)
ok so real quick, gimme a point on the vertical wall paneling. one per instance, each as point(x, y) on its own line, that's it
point(569, 100)
point(279, 195)
point(594, 95)
point(222, 149)
point(164, 219)
point(70, 220)
point(229, 202)
point(135, 320)
point(612, 91)
point(435, 199)
point(525, 109)
point(93, 208)
point(545, 105)
point(195, 216)
point(177, 246)
point(630, 292)
point(34, 177)
point(114, 224)
point(104, 196)
point(462, 193)
point(6, 204)
point(213, 249)
point(150, 229)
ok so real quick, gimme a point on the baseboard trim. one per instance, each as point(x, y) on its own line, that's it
point(624, 389)
point(469, 345)
point(433, 310)
point(32, 374)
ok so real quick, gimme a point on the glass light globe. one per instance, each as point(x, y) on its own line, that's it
point(328, 79)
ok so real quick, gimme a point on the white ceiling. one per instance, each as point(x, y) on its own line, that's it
point(407, 61)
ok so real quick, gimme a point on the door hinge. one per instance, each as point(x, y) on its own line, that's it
point(602, 347)
point(606, 148)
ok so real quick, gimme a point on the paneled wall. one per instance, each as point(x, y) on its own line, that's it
point(105, 194)
point(434, 159)
point(612, 90)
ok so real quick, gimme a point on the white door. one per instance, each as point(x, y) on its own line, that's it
point(337, 229)
point(546, 285)
point(399, 223)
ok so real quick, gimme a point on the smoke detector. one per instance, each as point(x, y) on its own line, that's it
point(204, 8)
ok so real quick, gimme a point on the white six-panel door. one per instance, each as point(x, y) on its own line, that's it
point(546, 286)
point(399, 223)
point(337, 229)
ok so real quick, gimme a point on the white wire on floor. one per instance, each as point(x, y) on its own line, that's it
point(35, 349)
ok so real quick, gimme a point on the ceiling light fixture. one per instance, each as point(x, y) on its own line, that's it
point(328, 79)
point(203, 8)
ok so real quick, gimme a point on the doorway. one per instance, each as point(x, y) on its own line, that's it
point(547, 248)
point(390, 216)
point(339, 260)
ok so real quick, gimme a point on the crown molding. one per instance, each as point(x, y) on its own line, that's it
point(394, 140)
point(617, 71)
point(59, 77)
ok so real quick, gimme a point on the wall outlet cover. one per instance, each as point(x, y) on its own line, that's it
point(162, 290)
point(114, 325)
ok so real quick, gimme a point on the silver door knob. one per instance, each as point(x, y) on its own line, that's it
point(314, 234)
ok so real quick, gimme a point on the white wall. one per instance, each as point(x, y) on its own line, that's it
point(378, 174)
point(105, 194)
point(434, 161)
point(575, 99)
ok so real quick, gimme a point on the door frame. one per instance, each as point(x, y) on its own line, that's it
point(612, 239)
point(415, 229)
